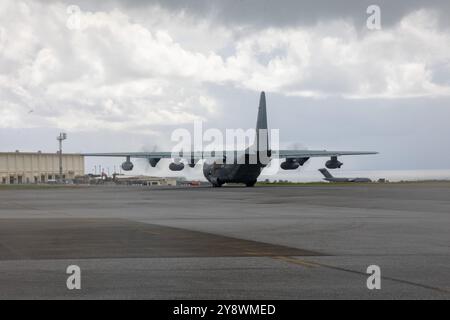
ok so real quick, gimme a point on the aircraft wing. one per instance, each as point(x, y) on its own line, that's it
point(131, 154)
point(159, 155)
point(212, 154)
point(318, 153)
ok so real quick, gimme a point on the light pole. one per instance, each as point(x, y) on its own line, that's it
point(62, 136)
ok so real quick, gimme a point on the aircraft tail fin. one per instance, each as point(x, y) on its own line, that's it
point(262, 113)
point(261, 125)
point(326, 173)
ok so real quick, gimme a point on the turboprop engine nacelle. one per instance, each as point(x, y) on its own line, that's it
point(293, 163)
point(290, 164)
point(334, 163)
point(176, 166)
point(127, 166)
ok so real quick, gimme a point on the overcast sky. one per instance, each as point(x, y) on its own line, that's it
point(130, 72)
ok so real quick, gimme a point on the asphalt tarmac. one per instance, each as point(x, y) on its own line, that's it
point(267, 242)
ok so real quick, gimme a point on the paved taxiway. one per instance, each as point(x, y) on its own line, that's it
point(238, 243)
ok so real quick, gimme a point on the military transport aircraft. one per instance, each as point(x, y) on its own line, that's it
point(329, 177)
point(245, 166)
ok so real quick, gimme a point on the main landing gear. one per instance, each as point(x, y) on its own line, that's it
point(251, 183)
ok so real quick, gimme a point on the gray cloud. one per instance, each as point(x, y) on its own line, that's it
point(267, 13)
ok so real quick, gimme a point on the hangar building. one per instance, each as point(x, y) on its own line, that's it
point(26, 167)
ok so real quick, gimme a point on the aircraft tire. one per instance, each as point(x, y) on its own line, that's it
point(250, 184)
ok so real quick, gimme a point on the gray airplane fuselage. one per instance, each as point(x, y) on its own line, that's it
point(218, 173)
point(329, 177)
point(348, 179)
point(243, 169)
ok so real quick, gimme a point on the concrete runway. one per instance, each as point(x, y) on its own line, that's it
point(299, 242)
